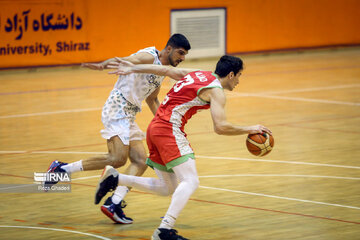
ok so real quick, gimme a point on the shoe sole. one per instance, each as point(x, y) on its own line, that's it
point(110, 215)
point(108, 171)
point(157, 233)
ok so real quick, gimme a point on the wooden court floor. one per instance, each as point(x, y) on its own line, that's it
point(307, 188)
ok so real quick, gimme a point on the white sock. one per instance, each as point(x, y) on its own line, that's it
point(168, 222)
point(73, 167)
point(119, 194)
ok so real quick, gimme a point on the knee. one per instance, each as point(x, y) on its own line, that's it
point(170, 190)
point(167, 189)
point(193, 182)
point(117, 161)
point(165, 192)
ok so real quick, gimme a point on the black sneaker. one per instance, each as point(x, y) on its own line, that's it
point(54, 167)
point(115, 212)
point(166, 234)
point(108, 182)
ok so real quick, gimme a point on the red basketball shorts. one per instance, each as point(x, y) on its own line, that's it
point(168, 146)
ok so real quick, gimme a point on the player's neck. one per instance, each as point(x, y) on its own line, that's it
point(163, 57)
point(223, 82)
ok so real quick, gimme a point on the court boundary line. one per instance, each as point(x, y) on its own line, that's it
point(279, 175)
point(276, 211)
point(261, 194)
point(312, 89)
point(56, 229)
point(252, 175)
point(197, 156)
point(226, 204)
point(55, 90)
point(232, 95)
point(279, 161)
point(299, 99)
point(279, 197)
point(51, 113)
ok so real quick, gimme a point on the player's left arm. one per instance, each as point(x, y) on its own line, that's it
point(153, 101)
point(125, 67)
point(140, 58)
point(217, 99)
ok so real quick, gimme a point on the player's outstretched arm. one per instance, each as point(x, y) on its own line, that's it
point(93, 66)
point(123, 67)
point(140, 58)
point(217, 99)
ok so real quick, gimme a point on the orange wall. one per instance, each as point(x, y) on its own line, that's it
point(118, 28)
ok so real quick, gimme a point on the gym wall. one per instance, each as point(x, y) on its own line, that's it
point(63, 32)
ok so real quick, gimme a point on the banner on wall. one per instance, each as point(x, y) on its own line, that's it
point(60, 32)
point(45, 33)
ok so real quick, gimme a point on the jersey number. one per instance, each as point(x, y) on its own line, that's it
point(180, 84)
point(188, 80)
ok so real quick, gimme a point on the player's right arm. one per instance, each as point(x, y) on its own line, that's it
point(153, 101)
point(140, 58)
point(123, 67)
point(217, 99)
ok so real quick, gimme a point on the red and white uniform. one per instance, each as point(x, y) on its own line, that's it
point(166, 138)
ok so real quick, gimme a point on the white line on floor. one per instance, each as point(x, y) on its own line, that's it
point(55, 229)
point(284, 198)
point(231, 95)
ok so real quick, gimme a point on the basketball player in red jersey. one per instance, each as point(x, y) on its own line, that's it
point(171, 155)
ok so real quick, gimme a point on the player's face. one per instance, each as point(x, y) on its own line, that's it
point(176, 56)
point(233, 80)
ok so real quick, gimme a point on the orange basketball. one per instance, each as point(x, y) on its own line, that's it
point(260, 144)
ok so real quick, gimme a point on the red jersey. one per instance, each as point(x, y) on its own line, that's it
point(182, 101)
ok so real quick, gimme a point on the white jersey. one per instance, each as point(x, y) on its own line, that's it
point(136, 87)
point(124, 102)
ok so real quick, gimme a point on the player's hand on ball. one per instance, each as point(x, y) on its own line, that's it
point(258, 129)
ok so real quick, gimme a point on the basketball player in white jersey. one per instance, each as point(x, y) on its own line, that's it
point(170, 153)
point(124, 137)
